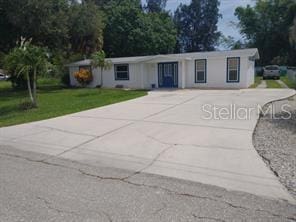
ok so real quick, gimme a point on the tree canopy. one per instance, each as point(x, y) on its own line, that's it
point(156, 5)
point(77, 28)
point(267, 26)
point(197, 25)
point(130, 31)
point(73, 29)
point(45, 21)
point(85, 28)
point(56, 24)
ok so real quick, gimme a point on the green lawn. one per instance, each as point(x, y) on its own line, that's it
point(288, 82)
point(257, 82)
point(271, 83)
point(53, 101)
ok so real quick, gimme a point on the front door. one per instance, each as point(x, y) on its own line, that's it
point(168, 75)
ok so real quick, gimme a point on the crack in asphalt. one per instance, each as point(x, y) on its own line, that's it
point(125, 180)
point(49, 206)
point(208, 218)
point(160, 209)
point(108, 216)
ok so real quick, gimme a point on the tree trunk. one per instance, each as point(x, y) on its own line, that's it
point(35, 88)
point(102, 82)
point(29, 88)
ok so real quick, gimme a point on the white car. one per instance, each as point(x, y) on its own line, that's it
point(272, 71)
point(3, 77)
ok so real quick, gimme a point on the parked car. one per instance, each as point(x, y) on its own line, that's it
point(271, 71)
point(3, 77)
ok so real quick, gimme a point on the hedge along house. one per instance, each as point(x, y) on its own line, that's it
point(217, 69)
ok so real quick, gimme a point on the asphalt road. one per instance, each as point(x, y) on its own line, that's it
point(35, 187)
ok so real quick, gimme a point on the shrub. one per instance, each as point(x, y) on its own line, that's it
point(279, 60)
point(83, 76)
point(18, 82)
point(26, 105)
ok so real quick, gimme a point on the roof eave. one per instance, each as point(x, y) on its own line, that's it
point(254, 57)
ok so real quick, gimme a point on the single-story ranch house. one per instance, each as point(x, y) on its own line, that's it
point(217, 69)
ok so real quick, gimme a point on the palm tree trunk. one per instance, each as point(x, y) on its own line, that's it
point(29, 88)
point(35, 87)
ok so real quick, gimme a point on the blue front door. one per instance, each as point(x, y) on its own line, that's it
point(168, 75)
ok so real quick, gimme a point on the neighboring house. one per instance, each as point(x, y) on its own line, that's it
point(218, 69)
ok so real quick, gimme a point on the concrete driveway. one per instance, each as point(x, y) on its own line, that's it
point(166, 133)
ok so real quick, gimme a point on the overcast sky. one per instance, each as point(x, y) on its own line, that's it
point(227, 8)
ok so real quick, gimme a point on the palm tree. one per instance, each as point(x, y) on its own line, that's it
point(27, 60)
point(99, 60)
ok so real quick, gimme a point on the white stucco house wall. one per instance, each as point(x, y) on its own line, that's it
point(217, 69)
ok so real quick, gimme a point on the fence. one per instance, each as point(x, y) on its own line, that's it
point(291, 73)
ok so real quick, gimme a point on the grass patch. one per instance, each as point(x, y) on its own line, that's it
point(272, 84)
point(5, 85)
point(48, 82)
point(258, 80)
point(54, 100)
point(288, 82)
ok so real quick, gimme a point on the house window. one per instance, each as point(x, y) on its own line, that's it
point(121, 72)
point(201, 71)
point(233, 69)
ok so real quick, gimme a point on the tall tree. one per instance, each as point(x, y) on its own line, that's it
point(266, 26)
point(7, 30)
point(130, 32)
point(45, 21)
point(156, 6)
point(57, 24)
point(292, 35)
point(86, 28)
point(197, 25)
